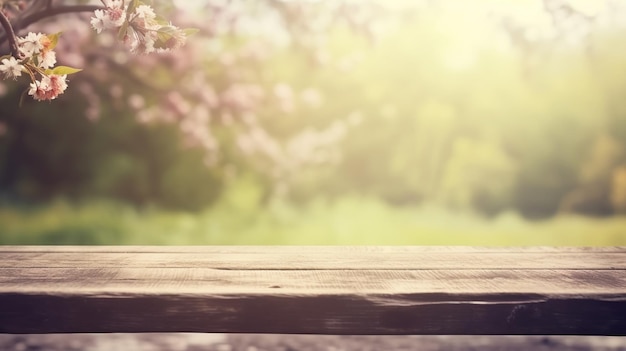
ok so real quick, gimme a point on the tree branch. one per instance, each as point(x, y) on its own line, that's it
point(55, 11)
point(49, 12)
point(8, 30)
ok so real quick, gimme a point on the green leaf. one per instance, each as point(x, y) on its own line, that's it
point(161, 20)
point(190, 31)
point(61, 70)
point(54, 39)
point(123, 31)
point(167, 30)
point(131, 8)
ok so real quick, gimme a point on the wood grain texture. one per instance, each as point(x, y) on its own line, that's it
point(313, 290)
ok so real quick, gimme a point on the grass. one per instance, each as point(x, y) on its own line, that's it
point(348, 221)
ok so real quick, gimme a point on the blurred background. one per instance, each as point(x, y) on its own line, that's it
point(482, 122)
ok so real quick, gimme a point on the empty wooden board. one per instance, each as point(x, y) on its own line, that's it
point(313, 290)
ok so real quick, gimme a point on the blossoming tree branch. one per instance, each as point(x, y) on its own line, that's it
point(33, 55)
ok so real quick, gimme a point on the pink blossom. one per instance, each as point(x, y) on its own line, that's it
point(49, 88)
point(143, 34)
point(177, 38)
point(111, 17)
point(116, 16)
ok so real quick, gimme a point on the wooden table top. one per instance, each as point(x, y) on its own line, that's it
point(323, 290)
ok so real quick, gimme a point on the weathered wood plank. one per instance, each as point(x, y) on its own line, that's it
point(608, 284)
point(334, 290)
point(320, 258)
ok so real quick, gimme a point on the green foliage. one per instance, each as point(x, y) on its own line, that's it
point(240, 220)
point(485, 129)
point(52, 150)
point(436, 113)
point(62, 70)
point(62, 223)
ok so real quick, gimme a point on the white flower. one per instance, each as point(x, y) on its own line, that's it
point(38, 89)
point(30, 44)
point(145, 12)
point(113, 3)
point(147, 44)
point(98, 22)
point(47, 59)
point(142, 33)
point(140, 42)
point(11, 68)
point(131, 40)
point(111, 17)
